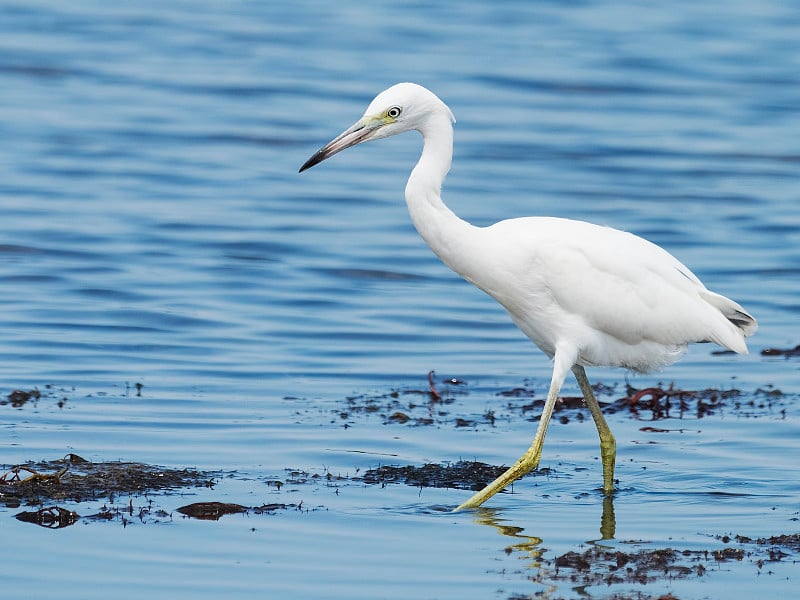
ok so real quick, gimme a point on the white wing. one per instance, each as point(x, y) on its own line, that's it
point(619, 299)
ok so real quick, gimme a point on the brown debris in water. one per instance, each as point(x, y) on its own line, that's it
point(675, 403)
point(18, 398)
point(625, 563)
point(605, 566)
point(462, 475)
point(211, 511)
point(787, 352)
point(51, 517)
point(214, 511)
point(421, 407)
point(76, 479)
point(433, 405)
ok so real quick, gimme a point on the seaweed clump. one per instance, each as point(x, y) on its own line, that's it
point(462, 475)
point(76, 479)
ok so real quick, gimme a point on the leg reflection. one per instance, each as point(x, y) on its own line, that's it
point(531, 544)
point(526, 544)
point(608, 523)
point(589, 564)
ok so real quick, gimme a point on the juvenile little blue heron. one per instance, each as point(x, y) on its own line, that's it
point(587, 295)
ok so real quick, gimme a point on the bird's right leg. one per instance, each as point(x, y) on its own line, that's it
point(608, 445)
point(530, 460)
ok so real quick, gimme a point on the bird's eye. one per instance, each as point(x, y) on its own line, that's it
point(394, 112)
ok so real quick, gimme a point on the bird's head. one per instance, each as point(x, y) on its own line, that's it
point(402, 107)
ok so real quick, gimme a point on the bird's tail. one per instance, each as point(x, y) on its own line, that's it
point(744, 325)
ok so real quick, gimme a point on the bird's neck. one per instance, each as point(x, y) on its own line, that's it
point(446, 234)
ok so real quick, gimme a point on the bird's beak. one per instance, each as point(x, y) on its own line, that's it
point(361, 131)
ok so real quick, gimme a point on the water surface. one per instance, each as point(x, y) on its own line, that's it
point(155, 230)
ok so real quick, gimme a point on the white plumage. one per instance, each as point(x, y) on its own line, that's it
point(586, 295)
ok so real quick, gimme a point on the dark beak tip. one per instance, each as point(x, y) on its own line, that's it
point(314, 160)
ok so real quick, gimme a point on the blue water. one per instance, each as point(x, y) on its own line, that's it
point(154, 230)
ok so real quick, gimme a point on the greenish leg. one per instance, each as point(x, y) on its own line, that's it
point(608, 446)
point(528, 461)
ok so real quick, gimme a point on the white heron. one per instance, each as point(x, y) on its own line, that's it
point(585, 294)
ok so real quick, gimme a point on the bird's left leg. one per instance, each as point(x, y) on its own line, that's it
point(608, 445)
point(530, 460)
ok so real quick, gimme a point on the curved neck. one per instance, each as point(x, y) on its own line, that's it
point(446, 234)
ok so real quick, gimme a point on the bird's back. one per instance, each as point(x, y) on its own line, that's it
point(613, 297)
